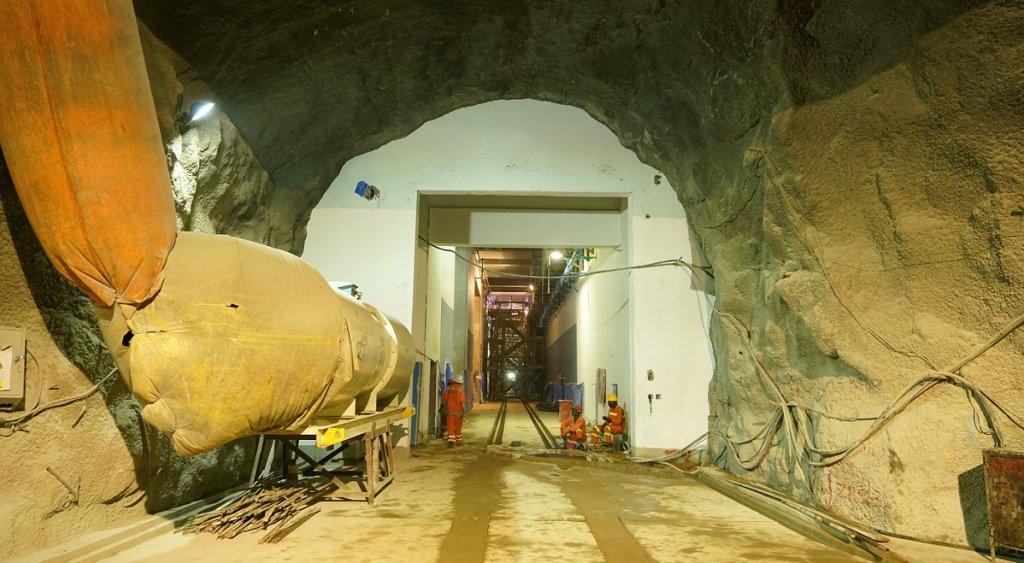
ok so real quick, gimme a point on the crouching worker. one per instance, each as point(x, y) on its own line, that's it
point(574, 429)
point(455, 403)
point(613, 430)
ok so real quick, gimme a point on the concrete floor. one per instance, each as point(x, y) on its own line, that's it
point(462, 504)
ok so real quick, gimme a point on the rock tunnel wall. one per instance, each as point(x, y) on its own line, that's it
point(852, 173)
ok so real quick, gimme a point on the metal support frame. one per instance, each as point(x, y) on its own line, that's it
point(508, 348)
point(378, 467)
point(565, 284)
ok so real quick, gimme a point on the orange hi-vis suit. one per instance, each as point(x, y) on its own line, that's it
point(608, 430)
point(575, 430)
point(454, 401)
point(617, 425)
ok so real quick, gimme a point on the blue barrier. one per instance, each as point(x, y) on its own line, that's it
point(564, 392)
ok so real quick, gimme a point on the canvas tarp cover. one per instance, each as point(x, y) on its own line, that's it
point(242, 338)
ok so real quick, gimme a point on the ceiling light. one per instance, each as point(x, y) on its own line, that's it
point(557, 255)
point(511, 376)
point(199, 110)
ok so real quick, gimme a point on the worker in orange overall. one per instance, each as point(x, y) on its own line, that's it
point(613, 429)
point(574, 429)
point(455, 402)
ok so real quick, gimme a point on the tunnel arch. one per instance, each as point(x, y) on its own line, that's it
point(687, 86)
point(515, 156)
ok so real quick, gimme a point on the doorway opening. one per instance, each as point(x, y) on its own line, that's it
point(515, 180)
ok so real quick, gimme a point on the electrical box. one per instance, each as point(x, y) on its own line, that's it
point(12, 367)
point(1004, 487)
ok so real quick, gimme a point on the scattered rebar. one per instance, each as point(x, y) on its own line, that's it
point(279, 507)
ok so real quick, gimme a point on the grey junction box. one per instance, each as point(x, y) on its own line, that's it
point(12, 367)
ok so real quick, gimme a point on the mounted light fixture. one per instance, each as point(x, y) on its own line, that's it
point(511, 376)
point(366, 190)
point(199, 110)
point(556, 255)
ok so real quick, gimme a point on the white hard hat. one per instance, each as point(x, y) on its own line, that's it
point(457, 378)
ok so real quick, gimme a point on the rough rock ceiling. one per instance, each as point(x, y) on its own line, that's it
point(312, 83)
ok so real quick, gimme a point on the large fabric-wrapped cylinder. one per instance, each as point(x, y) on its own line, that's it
point(219, 338)
point(398, 382)
point(242, 339)
point(383, 356)
point(370, 350)
point(80, 135)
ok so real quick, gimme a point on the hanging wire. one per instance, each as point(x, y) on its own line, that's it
point(661, 263)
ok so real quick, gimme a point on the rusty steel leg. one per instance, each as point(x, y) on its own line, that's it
point(286, 456)
point(256, 465)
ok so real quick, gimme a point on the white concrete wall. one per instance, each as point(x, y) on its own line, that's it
point(670, 329)
point(602, 337)
point(529, 147)
point(561, 323)
point(521, 146)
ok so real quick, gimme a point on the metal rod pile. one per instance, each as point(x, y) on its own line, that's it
point(278, 507)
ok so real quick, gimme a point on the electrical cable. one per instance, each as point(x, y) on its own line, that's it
point(39, 378)
point(677, 454)
point(661, 263)
point(13, 423)
point(820, 457)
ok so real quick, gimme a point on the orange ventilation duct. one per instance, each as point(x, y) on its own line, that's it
point(80, 136)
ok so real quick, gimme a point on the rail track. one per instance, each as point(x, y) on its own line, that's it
point(545, 434)
point(498, 428)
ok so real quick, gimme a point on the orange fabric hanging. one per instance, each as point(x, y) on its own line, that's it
point(80, 136)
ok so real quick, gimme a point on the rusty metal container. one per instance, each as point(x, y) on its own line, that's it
point(1004, 491)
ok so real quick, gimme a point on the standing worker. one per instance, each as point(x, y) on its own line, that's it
point(614, 427)
point(454, 402)
point(574, 428)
